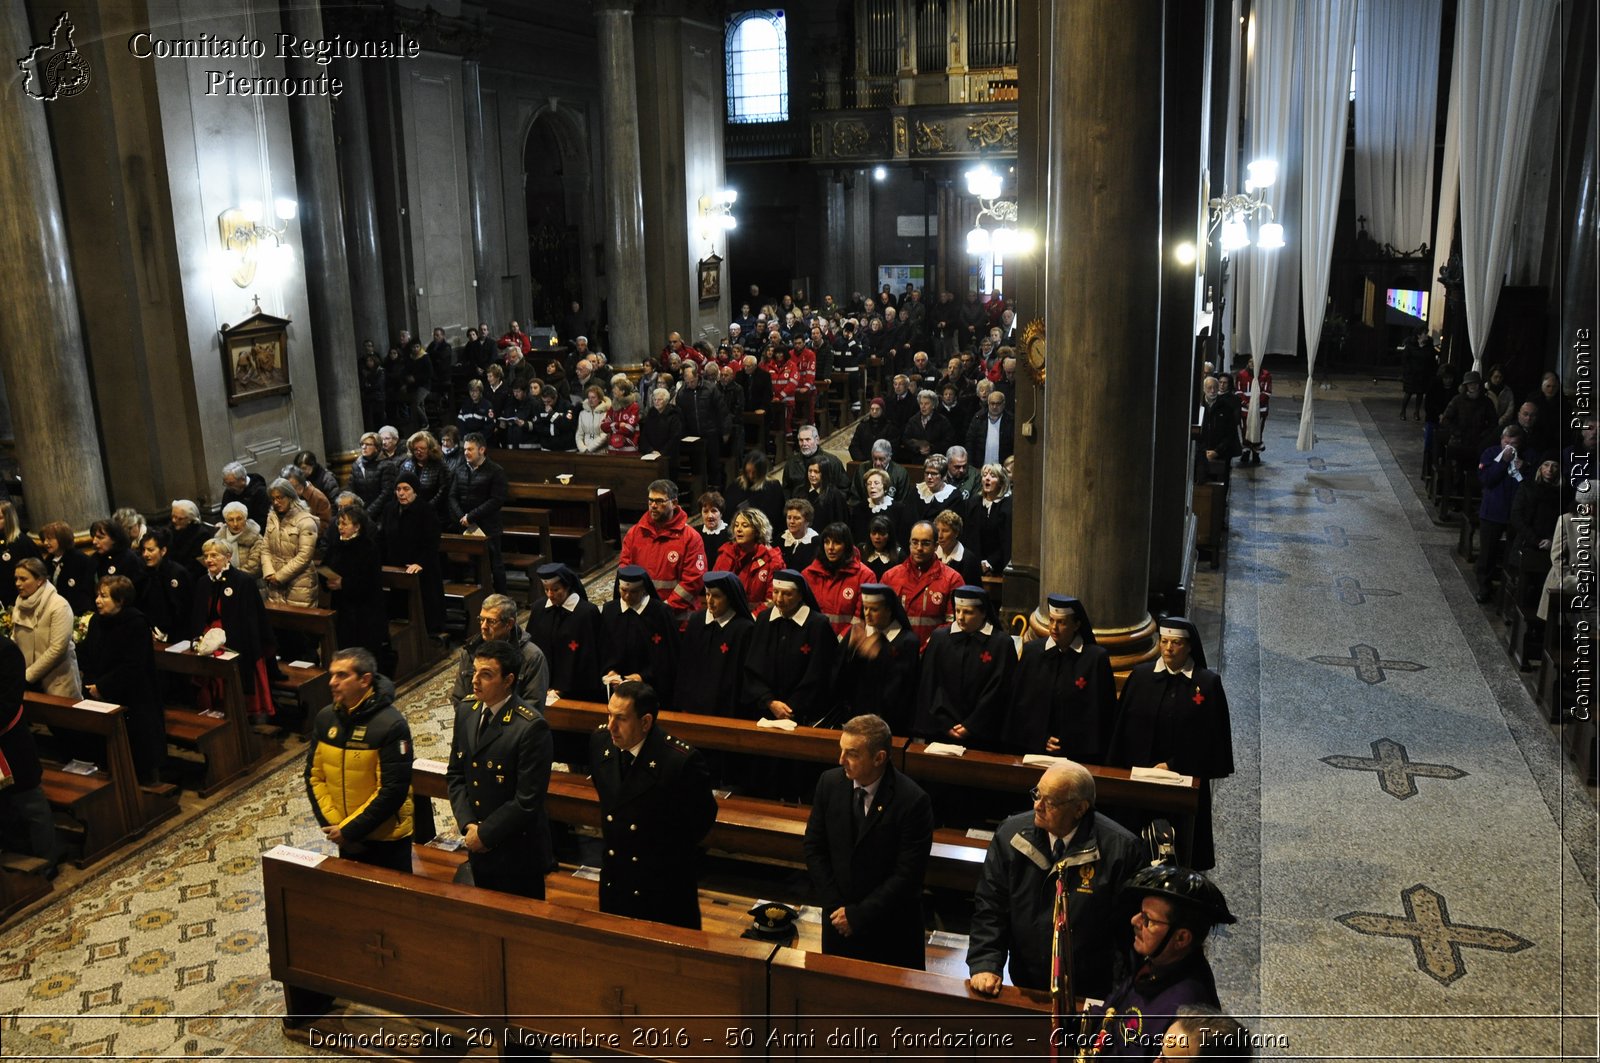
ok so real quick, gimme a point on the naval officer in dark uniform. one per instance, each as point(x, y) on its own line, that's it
point(498, 777)
point(656, 806)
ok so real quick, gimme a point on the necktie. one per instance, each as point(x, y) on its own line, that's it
point(858, 808)
point(483, 718)
point(627, 761)
point(1058, 851)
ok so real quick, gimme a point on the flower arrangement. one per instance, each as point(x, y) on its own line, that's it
point(80, 627)
point(5, 621)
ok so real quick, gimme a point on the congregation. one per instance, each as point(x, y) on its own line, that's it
point(873, 613)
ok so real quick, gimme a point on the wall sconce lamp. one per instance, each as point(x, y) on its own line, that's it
point(245, 239)
point(1230, 215)
point(1005, 239)
point(716, 213)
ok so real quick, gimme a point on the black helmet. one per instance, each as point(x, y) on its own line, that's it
point(1182, 886)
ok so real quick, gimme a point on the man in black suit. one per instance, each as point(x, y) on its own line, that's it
point(867, 845)
point(656, 807)
point(479, 492)
point(498, 778)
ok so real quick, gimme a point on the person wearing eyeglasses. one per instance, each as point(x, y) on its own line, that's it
point(1012, 915)
point(664, 545)
point(497, 622)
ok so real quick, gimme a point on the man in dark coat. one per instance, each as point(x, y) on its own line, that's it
point(966, 676)
point(705, 415)
point(867, 844)
point(566, 627)
point(789, 670)
point(247, 488)
point(1177, 908)
point(995, 419)
point(1173, 714)
point(479, 492)
point(639, 635)
point(497, 622)
point(1219, 435)
point(499, 776)
point(1064, 697)
point(656, 807)
point(1013, 909)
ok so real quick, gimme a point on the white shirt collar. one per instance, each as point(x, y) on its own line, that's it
point(1076, 645)
point(790, 540)
point(801, 615)
point(1187, 670)
point(633, 750)
point(872, 790)
point(712, 618)
point(640, 608)
point(569, 603)
point(955, 555)
point(889, 633)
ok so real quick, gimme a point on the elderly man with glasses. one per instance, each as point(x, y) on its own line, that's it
point(497, 622)
point(1012, 911)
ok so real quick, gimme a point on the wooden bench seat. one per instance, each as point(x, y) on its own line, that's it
point(472, 581)
point(91, 802)
point(306, 687)
point(583, 517)
point(228, 745)
point(22, 881)
point(408, 634)
point(627, 476)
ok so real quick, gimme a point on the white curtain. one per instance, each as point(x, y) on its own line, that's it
point(1499, 56)
point(1270, 280)
point(1396, 83)
point(1449, 201)
point(1329, 38)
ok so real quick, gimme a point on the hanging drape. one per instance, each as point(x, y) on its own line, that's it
point(1499, 56)
point(1328, 38)
point(1396, 84)
point(1449, 201)
point(1270, 280)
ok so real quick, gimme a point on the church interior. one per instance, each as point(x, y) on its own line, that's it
point(1173, 269)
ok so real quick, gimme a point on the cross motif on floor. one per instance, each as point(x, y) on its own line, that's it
point(1369, 665)
point(378, 950)
point(1397, 774)
point(1325, 495)
point(1436, 940)
point(1349, 591)
point(1338, 537)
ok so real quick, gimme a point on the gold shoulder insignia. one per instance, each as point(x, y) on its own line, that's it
point(525, 712)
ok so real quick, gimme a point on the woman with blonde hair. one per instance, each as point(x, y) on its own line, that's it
point(41, 626)
point(434, 478)
point(751, 556)
point(16, 546)
point(290, 542)
point(988, 531)
point(591, 435)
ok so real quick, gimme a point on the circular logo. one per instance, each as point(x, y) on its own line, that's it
point(227, 592)
point(763, 576)
point(936, 597)
point(174, 583)
point(672, 557)
point(849, 593)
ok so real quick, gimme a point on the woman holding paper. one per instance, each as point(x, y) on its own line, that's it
point(1173, 715)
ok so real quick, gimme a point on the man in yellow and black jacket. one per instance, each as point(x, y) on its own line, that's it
point(358, 770)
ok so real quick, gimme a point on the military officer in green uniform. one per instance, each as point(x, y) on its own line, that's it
point(498, 777)
point(656, 806)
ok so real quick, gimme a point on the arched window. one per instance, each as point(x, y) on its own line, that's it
point(758, 67)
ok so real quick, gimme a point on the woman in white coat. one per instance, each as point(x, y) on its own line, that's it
point(41, 626)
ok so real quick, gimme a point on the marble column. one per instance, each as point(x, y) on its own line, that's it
point(836, 236)
point(52, 411)
point(369, 308)
point(1183, 85)
point(627, 309)
point(477, 195)
point(1102, 277)
point(316, 169)
point(1035, 62)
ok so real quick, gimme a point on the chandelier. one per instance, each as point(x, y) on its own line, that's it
point(1005, 238)
point(1231, 215)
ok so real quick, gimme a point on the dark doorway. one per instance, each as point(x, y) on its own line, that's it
point(555, 277)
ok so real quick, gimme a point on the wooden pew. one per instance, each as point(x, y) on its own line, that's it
point(408, 636)
point(471, 551)
point(746, 826)
point(413, 945)
point(582, 516)
point(526, 542)
point(308, 686)
point(420, 947)
point(628, 476)
point(997, 772)
point(111, 805)
point(22, 881)
point(229, 746)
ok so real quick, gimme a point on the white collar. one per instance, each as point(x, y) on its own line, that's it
point(1076, 645)
point(570, 603)
point(640, 608)
point(986, 629)
point(801, 615)
point(888, 500)
point(955, 555)
point(709, 529)
point(1187, 670)
point(712, 618)
point(889, 633)
point(790, 540)
point(927, 495)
